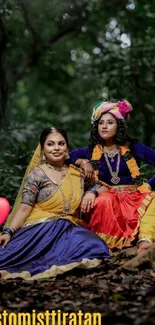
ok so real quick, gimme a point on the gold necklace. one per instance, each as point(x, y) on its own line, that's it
point(115, 179)
point(64, 171)
point(67, 204)
point(59, 169)
point(111, 153)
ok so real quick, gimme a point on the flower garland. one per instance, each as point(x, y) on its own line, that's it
point(131, 164)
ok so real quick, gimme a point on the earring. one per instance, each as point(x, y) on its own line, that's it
point(67, 156)
point(43, 158)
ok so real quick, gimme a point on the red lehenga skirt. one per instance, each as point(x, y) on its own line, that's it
point(116, 215)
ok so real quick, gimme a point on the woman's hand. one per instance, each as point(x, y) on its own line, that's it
point(4, 239)
point(87, 168)
point(88, 202)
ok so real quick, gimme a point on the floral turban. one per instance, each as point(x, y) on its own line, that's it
point(121, 110)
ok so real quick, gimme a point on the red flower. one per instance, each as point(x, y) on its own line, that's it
point(125, 108)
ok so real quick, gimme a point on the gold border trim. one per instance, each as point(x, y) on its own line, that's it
point(76, 221)
point(120, 242)
point(53, 271)
point(124, 186)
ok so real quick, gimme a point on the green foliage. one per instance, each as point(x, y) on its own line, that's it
point(14, 159)
point(59, 60)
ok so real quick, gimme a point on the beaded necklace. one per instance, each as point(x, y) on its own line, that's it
point(131, 164)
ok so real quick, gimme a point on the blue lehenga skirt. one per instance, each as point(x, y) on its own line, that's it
point(50, 248)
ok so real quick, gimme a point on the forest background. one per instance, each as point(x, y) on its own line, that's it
point(58, 58)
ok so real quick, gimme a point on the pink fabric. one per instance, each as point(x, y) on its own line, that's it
point(120, 110)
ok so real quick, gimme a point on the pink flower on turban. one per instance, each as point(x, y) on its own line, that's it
point(120, 109)
point(125, 108)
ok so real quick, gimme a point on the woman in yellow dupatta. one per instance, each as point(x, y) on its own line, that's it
point(44, 235)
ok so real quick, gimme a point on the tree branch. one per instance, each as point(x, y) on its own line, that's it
point(41, 46)
point(4, 88)
point(36, 53)
point(25, 9)
point(3, 36)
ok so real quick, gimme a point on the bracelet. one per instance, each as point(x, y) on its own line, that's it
point(93, 191)
point(14, 230)
point(8, 231)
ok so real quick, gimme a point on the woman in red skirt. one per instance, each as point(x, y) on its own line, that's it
point(119, 207)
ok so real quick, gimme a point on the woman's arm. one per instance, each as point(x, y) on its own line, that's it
point(17, 222)
point(76, 156)
point(21, 215)
point(81, 158)
point(90, 196)
point(144, 153)
point(30, 192)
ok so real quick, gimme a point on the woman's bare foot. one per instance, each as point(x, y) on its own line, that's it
point(143, 246)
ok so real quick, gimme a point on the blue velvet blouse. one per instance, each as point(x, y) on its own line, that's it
point(139, 151)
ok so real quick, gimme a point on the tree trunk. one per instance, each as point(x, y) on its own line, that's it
point(3, 77)
point(3, 96)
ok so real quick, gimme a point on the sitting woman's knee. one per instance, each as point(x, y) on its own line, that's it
point(103, 198)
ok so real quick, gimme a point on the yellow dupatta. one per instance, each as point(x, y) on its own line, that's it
point(52, 207)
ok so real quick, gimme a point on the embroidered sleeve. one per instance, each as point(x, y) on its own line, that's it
point(31, 187)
